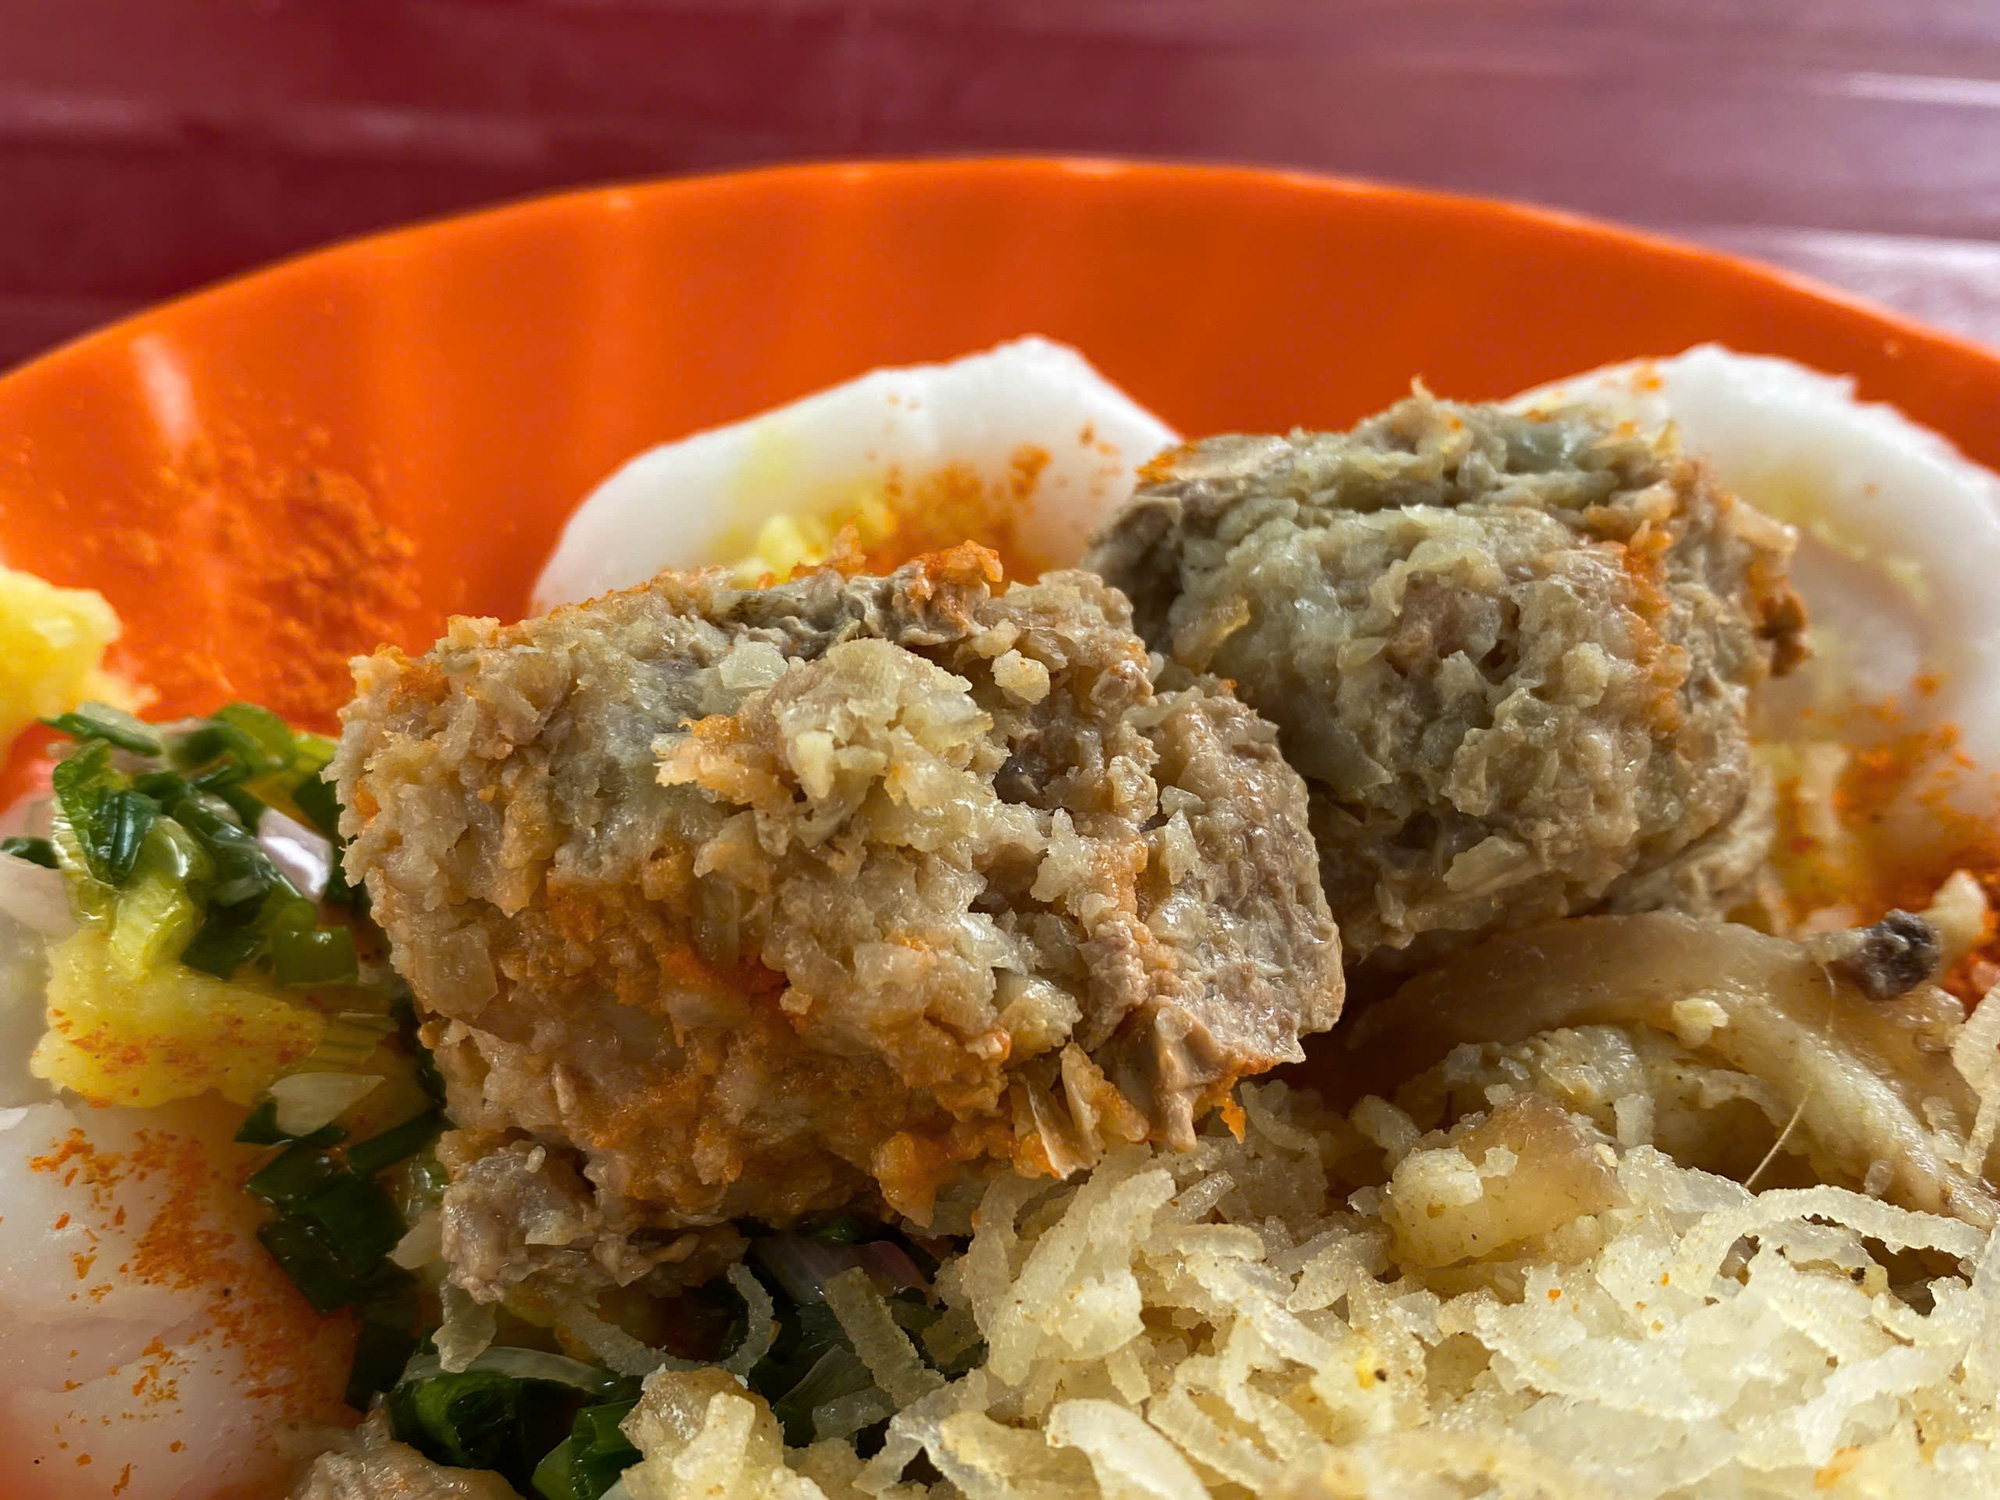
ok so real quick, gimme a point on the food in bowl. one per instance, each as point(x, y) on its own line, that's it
point(890, 1030)
point(1512, 654)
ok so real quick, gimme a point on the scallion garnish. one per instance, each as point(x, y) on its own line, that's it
point(100, 721)
point(221, 946)
point(510, 1410)
point(588, 1462)
point(843, 1230)
point(316, 799)
point(34, 851)
point(308, 1255)
point(363, 1224)
point(338, 1224)
point(229, 902)
point(380, 1352)
point(304, 955)
point(293, 1175)
point(469, 1421)
point(108, 818)
point(366, 1158)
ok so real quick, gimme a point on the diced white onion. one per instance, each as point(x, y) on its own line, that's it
point(305, 858)
point(306, 1101)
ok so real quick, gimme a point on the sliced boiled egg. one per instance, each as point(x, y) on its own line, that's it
point(1025, 441)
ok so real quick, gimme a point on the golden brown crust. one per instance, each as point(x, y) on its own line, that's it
point(767, 902)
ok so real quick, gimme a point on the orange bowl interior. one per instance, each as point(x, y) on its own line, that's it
point(348, 448)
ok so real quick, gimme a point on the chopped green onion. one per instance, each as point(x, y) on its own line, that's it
point(34, 851)
point(468, 1420)
point(92, 901)
point(222, 947)
point(109, 819)
point(243, 871)
point(87, 773)
point(339, 892)
point(264, 740)
point(158, 911)
point(316, 798)
point(588, 1462)
point(251, 748)
point(534, 1364)
point(237, 931)
point(392, 1296)
point(292, 1176)
point(844, 1230)
point(489, 1416)
point(261, 1129)
point(246, 804)
point(358, 1216)
point(124, 820)
point(305, 1252)
point(302, 957)
point(100, 721)
point(166, 788)
point(217, 777)
point(380, 1353)
point(257, 740)
point(368, 1157)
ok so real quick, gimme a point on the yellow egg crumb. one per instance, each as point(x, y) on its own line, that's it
point(797, 539)
point(52, 644)
point(172, 1033)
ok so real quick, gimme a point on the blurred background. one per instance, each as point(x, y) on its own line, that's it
point(149, 146)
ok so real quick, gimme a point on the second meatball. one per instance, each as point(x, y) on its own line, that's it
point(1512, 656)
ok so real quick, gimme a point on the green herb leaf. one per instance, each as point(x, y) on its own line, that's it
point(305, 1252)
point(536, 1365)
point(243, 871)
point(358, 1216)
point(222, 946)
point(100, 721)
point(34, 851)
point(308, 1253)
point(366, 1158)
point(588, 1462)
point(256, 738)
point(317, 800)
point(380, 1352)
point(844, 1230)
point(127, 817)
point(507, 1411)
point(339, 892)
point(466, 1420)
point(302, 958)
point(293, 1175)
point(108, 818)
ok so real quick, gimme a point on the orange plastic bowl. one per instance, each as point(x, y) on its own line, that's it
point(271, 475)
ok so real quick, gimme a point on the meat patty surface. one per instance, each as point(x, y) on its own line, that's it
point(724, 902)
point(1511, 655)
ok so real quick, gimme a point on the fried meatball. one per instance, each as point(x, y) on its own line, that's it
point(770, 902)
point(1511, 655)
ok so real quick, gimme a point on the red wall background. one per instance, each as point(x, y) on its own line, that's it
point(147, 146)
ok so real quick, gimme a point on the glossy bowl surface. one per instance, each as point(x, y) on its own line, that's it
point(349, 447)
